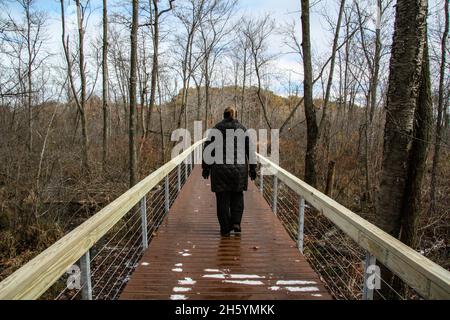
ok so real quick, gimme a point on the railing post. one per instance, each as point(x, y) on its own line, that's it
point(275, 194)
point(301, 224)
point(179, 177)
point(261, 180)
point(85, 268)
point(167, 194)
point(144, 222)
point(368, 290)
point(186, 168)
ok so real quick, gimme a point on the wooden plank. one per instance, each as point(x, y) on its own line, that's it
point(35, 277)
point(249, 266)
point(430, 280)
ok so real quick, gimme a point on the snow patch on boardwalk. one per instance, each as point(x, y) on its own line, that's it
point(246, 276)
point(294, 282)
point(274, 288)
point(214, 276)
point(187, 281)
point(302, 289)
point(245, 282)
point(181, 289)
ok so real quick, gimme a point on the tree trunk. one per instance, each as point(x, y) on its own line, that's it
point(198, 88)
point(244, 79)
point(84, 130)
point(132, 118)
point(207, 96)
point(440, 109)
point(404, 82)
point(29, 78)
point(330, 179)
point(376, 69)
point(186, 76)
point(161, 127)
point(323, 120)
point(153, 87)
point(418, 157)
point(105, 84)
point(310, 112)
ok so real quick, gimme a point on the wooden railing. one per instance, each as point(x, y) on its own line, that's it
point(428, 279)
point(35, 277)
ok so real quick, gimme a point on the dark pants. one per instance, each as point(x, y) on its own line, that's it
point(230, 206)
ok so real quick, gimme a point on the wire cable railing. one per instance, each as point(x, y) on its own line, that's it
point(115, 256)
point(343, 248)
point(95, 260)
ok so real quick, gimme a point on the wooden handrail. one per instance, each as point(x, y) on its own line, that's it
point(427, 278)
point(35, 277)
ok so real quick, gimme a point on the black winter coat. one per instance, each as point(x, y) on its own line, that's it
point(229, 177)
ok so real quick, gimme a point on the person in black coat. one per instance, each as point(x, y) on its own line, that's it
point(229, 172)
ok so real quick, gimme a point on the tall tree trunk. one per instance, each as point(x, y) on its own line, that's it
point(310, 112)
point(161, 127)
point(105, 84)
point(259, 91)
point(440, 109)
point(84, 130)
point(186, 77)
point(418, 157)
point(416, 167)
point(404, 82)
point(29, 78)
point(207, 96)
point(153, 86)
point(132, 118)
point(244, 79)
point(198, 88)
point(376, 65)
point(323, 120)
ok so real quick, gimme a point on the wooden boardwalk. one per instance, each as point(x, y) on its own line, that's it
point(188, 259)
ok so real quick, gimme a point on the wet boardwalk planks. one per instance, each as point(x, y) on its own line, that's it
point(189, 260)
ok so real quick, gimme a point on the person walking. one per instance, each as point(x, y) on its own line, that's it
point(229, 172)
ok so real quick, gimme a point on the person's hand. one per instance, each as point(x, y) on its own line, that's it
point(205, 174)
point(252, 174)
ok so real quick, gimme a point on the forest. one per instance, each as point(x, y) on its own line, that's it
point(91, 90)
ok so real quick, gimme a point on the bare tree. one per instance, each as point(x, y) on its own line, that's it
point(258, 33)
point(155, 15)
point(105, 81)
point(213, 29)
point(310, 112)
point(372, 62)
point(79, 101)
point(440, 109)
point(133, 80)
point(190, 17)
point(29, 35)
point(406, 129)
point(323, 120)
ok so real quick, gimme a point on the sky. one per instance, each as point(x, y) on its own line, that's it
point(282, 11)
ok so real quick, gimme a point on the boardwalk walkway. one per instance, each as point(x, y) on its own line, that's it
point(189, 260)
